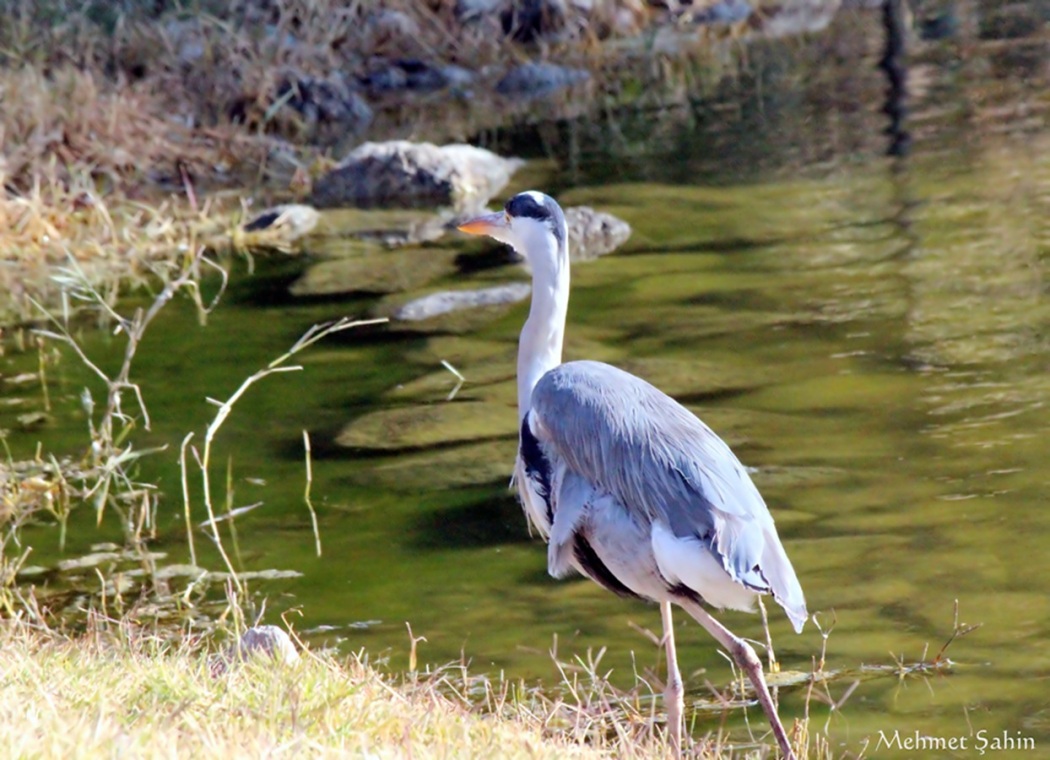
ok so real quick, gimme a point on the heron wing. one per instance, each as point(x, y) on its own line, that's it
point(660, 461)
point(574, 495)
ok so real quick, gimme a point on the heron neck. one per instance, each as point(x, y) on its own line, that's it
point(540, 345)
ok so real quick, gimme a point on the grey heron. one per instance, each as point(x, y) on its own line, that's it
point(629, 487)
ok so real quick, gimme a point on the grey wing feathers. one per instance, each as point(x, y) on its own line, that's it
point(627, 437)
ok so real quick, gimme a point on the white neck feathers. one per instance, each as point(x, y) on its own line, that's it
point(540, 346)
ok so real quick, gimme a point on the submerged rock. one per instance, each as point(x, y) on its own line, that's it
point(382, 272)
point(447, 301)
point(490, 378)
point(594, 233)
point(427, 425)
point(534, 80)
point(458, 466)
point(387, 227)
point(88, 560)
point(403, 173)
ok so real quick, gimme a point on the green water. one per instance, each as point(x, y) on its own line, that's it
point(869, 335)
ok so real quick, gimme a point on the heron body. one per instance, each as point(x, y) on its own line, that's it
point(628, 486)
point(635, 492)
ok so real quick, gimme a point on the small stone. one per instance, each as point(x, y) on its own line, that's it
point(724, 13)
point(457, 77)
point(534, 80)
point(530, 20)
point(291, 220)
point(447, 301)
point(794, 17)
point(324, 101)
point(261, 640)
point(391, 28)
point(187, 39)
point(31, 420)
point(594, 233)
point(385, 78)
point(413, 74)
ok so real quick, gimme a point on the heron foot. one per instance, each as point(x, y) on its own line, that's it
point(749, 662)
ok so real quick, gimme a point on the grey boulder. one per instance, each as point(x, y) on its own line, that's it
point(594, 233)
point(406, 174)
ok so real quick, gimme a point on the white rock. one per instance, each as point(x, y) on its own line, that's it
point(456, 300)
point(403, 173)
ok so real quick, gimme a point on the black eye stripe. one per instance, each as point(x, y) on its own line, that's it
point(525, 205)
point(546, 210)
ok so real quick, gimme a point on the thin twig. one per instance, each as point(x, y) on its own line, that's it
point(306, 493)
point(186, 497)
point(311, 336)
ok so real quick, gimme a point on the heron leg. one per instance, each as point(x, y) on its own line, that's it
point(748, 661)
point(673, 691)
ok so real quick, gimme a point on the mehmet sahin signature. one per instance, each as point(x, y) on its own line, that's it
point(980, 741)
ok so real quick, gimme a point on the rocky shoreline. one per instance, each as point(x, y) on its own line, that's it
point(288, 84)
point(194, 113)
point(444, 184)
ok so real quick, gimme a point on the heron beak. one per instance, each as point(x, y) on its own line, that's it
point(489, 224)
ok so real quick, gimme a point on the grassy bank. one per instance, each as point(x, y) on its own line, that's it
point(120, 691)
point(128, 694)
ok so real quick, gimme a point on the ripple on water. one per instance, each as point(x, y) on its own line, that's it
point(380, 272)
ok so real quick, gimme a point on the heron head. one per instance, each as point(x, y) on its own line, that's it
point(531, 222)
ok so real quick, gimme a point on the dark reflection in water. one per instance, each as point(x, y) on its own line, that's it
point(798, 105)
point(486, 522)
point(894, 64)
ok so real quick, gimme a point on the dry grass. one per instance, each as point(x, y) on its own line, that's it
point(114, 240)
point(121, 690)
point(109, 169)
point(68, 122)
point(101, 170)
point(129, 694)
